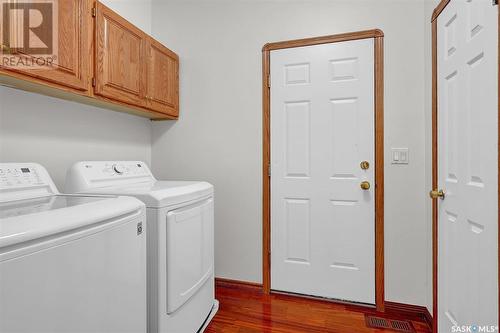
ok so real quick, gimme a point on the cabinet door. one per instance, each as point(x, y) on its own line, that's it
point(120, 65)
point(70, 63)
point(162, 79)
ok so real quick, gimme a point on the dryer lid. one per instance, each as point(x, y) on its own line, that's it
point(158, 194)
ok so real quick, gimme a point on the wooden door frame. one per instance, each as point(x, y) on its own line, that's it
point(378, 37)
point(437, 11)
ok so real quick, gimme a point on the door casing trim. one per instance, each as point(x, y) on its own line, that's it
point(378, 37)
point(437, 11)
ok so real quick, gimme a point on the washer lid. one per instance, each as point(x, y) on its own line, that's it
point(158, 194)
point(45, 203)
point(30, 219)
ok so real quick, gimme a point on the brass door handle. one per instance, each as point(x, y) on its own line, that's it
point(365, 185)
point(434, 194)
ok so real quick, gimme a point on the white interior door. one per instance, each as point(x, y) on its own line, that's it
point(467, 51)
point(322, 127)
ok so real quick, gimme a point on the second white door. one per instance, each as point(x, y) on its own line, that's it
point(467, 165)
point(322, 128)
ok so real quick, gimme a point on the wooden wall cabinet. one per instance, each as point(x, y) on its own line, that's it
point(162, 88)
point(71, 67)
point(106, 61)
point(120, 63)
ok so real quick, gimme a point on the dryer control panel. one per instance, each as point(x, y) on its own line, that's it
point(24, 180)
point(96, 174)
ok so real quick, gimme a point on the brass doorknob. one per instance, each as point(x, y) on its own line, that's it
point(365, 185)
point(434, 194)
point(364, 165)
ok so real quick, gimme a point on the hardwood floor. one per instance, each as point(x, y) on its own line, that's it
point(245, 309)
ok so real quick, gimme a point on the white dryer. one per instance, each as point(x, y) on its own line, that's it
point(180, 218)
point(69, 263)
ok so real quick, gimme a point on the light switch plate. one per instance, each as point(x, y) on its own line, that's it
point(400, 156)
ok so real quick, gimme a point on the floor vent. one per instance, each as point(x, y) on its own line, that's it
point(376, 322)
point(391, 324)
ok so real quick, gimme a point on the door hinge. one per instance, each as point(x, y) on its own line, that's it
point(94, 11)
point(93, 82)
point(269, 170)
point(139, 228)
point(269, 81)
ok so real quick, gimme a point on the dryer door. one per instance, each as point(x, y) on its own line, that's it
point(190, 234)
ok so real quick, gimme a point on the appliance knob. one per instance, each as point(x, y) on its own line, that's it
point(118, 169)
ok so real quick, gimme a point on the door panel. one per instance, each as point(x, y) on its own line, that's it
point(189, 258)
point(71, 66)
point(298, 226)
point(163, 79)
point(322, 127)
point(467, 72)
point(120, 53)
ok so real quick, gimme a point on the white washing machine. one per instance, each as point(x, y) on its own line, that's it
point(69, 263)
point(180, 218)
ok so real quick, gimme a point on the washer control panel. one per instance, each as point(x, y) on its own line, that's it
point(24, 180)
point(12, 175)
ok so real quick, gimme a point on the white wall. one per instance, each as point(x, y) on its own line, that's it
point(218, 136)
point(138, 12)
point(57, 133)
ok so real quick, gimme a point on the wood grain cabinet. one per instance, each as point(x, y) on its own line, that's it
point(70, 67)
point(120, 63)
point(133, 68)
point(106, 61)
point(162, 79)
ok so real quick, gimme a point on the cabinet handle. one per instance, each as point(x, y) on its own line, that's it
point(5, 48)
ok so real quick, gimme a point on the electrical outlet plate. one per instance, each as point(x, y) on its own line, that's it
point(400, 156)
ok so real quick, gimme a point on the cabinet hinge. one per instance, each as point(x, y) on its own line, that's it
point(93, 82)
point(94, 11)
